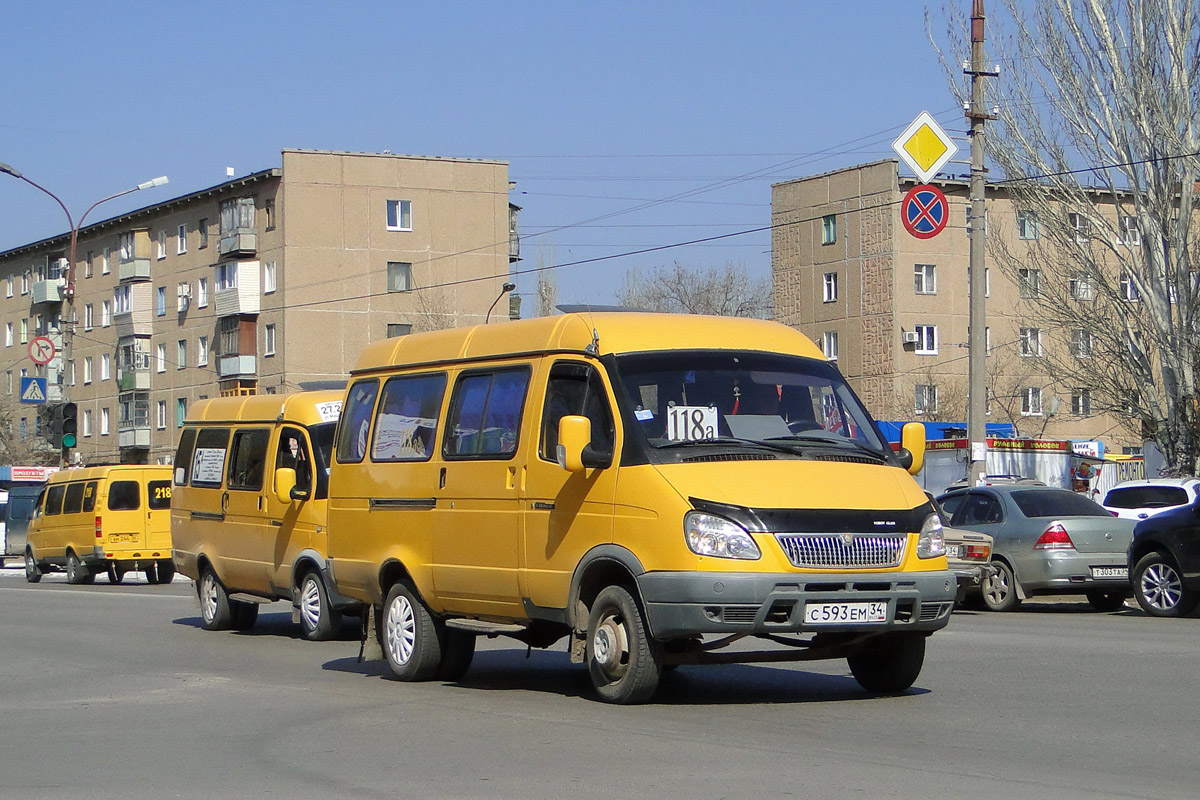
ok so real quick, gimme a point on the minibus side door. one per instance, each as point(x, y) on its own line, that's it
point(249, 539)
point(291, 525)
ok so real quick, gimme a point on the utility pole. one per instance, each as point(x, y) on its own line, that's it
point(977, 343)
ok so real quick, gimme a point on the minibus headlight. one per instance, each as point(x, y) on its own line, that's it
point(709, 535)
point(932, 542)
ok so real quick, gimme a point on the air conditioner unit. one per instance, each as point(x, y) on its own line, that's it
point(185, 295)
point(909, 337)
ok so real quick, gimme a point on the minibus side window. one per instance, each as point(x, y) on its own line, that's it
point(89, 496)
point(575, 388)
point(406, 422)
point(321, 437)
point(293, 454)
point(355, 423)
point(38, 508)
point(183, 456)
point(247, 458)
point(158, 494)
point(73, 500)
point(485, 414)
point(124, 496)
point(54, 498)
point(208, 460)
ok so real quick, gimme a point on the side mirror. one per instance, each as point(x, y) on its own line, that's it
point(575, 452)
point(286, 489)
point(912, 447)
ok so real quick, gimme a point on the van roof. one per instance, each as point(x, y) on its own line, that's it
point(616, 333)
point(110, 471)
point(302, 408)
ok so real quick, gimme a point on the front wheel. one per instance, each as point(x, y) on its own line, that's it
point(318, 619)
point(890, 663)
point(999, 590)
point(33, 573)
point(1106, 601)
point(1158, 587)
point(409, 636)
point(624, 663)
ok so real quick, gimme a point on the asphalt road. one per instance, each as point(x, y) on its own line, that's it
point(116, 692)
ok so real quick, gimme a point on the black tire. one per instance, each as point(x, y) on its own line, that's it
point(77, 572)
point(624, 663)
point(319, 620)
point(215, 613)
point(243, 615)
point(150, 570)
point(1158, 587)
point(1107, 601)
point(999, 591)
point(166, 571)
point(458, 651)
point(116, 573)
point(890, 663)
point(409, 636)
point(33, 573)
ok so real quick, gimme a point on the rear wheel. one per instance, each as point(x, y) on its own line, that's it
point(318, 619)
point(1106, 601)
point(150, 570)
point(999, 591)
point(116, 573)
point(33, 573)
point(1158, 587)
point(77, 572)
point(243, 615)
point(215, 614)
point(458, 651)
point(409, 636)
point(890, 663)
point(625, 664)
point(166, 571)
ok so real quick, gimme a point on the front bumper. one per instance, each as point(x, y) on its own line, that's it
point(693, 603)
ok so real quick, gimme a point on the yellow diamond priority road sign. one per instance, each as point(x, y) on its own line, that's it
point(925, 147)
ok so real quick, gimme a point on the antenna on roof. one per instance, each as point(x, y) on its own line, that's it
point(229, 172)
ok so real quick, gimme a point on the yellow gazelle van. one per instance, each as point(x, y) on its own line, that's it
point(248, 519)
point(653, 487)
point(103, 519)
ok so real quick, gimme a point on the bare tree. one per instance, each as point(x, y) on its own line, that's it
point(1097, 141)
point(727, 292)
point(30, 450)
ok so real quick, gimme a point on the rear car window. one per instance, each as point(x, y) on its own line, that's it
point(1056, 503)
point(1146, 497)
point(89, 496)
point(73, 500)
point(124, 496)
point(158, 494)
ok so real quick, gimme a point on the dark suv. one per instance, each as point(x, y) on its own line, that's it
point(1164, 561)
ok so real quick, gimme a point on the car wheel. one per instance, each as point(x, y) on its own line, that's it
point(166, 571)
point(33, 573)
point(242, 615)
point(151, 573)
point(999, 591)
point(214, 603)
point(116, 574)
point(458, 651)
point(889, 663)
point(409, 636)
point(1106, 601)
point(77, 573)
point(1158, 587)
point(624, 663)
point(318, 619)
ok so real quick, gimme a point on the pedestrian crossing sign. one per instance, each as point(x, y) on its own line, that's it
point(33, 390)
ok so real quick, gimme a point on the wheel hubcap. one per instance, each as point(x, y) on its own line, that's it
point(30, 566)
point(998, 588)
point(610, 646)
point(310, 604)
point(1161, 587)
point(208, 597)
point(401, 630)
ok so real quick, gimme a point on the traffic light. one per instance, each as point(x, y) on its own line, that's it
point(51, 420)
point(68, 424)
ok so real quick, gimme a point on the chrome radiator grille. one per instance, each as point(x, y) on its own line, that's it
point(838, 551)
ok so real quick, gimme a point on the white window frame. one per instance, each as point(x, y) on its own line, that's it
point(11, 283)
point(399, 215)
point(87, 422)
point(1029, 283)
point(104, 264)
point(925, 398)
point(829, 292)
point(268, 277)
point(160, 357)
point(1031, 401)
point(1082, 289)
point(1031, 342)
point(828, 229)
point(105, 422)
point(829, 345)
point(105, 367)
point(160, 301)
point(925, 278)
point(393, 269)
point(202, 351)
point(1081, 403)
point(927, 340)
point(202, 292)
point(181, 240)
point(1081, 226)
point(162, 245)
point(1028, 227)
point(1083, 343)
point(105, 313)
point(269, 340)
point(1129, 290)
point(87, 370)
point(161, 415)
point(181, 354)
point(9, 335)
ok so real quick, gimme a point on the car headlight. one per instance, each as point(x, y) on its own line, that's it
point(709, 535)
point(932, 542)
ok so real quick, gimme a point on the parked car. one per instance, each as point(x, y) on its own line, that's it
point(1164, 561)
point(996, 480)
point(968, 554)
point(1046, 541)
point(1141, 499)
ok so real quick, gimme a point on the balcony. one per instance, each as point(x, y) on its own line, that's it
point(49, 291)
point(236, 366)
point(241, 242)
point(131, 435)
point(129, 380)
point(136, 269)
point(237, 289)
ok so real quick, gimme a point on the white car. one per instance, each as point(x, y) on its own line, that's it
point(1141, 499)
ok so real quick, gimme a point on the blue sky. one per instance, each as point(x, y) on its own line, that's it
point(597, 107)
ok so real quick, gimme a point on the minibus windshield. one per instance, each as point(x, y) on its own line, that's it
point(769, 401)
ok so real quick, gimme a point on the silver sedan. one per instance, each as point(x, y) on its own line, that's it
point(1046, 541)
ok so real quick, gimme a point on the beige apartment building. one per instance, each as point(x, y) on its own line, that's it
point(892, 309)
point(264, 283)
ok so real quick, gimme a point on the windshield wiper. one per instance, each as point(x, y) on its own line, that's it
point(777, 447)
point(831, 440)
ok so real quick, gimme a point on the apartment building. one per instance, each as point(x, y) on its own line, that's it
point(892, 309)
point(261, 284)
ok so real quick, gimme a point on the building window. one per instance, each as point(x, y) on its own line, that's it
point(105, 260)
point(89, 317)
point(829, 229)
point(10, 381)
point(161, 414)
point(927, 343)
point(162, 245)
point(227, 277)
point(1027, 225)
point(24, 330)
point(181, 240)
point(160, 358)
point(1131, 235)
point(87, 370)
point(1031, 342)
point(105, 367)
point(127, 244)
point(26, 277)
point(1081, 343)
point(926, 399)
point(399, 215)
point(181, 354)
point(11, 284)
point(123, 299)
point(269, 340)
point(831, 287)
point(180, 412)
point(925, 279)
point(399, 276)
point(202, 351)
point(268, 277)
point(202, 231)
point(269, 209)
point(237, 215)
point(1031, 401)
point(87, 422)
point(1082, 289)
point(228, 331)
point(1081, 403)
point(202, 292)
point(161, 300)
point(395, 329)
point(1029, 281)
point(89, 264)
point(1081, 225)
point(104, 422)
point(8, 334)
point(829, 345)
point(71, 372)
point(1129, 290)
point(105, 314)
